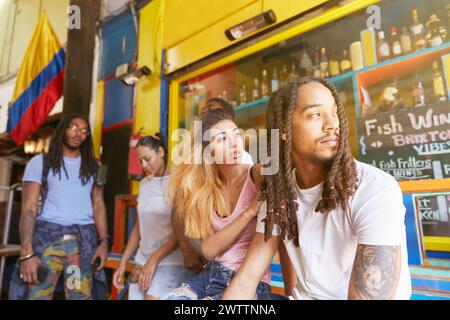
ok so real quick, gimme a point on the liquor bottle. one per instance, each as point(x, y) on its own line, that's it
point(383, 49)
point(405, 40)
point(324, 65)
point(418, 32)
point(396, 47)
point(334, 65)
point(305, 61)
point(346, 65)
point(256, 94)
point(293, 74)
point(264, 84)
point(438, 84)
point(316, 69)
point(390, 98)
point(436, 33)
point(243, 94)
point(418, 93)
point(284, 76)
point(274, 81)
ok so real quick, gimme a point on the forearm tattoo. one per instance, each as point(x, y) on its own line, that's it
point(27, 224)
point(375, 272)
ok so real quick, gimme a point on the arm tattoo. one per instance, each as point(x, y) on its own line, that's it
point(27, 223)
point(376, 271)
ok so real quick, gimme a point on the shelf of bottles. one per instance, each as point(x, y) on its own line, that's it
point(394, 71)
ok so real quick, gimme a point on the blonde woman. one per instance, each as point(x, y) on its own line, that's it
point(218, 201)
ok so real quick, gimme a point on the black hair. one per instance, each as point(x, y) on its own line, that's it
point(224, 105)
point(154, 143)
point(54, 160)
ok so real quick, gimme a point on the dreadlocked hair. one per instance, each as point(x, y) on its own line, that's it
point(340, 182)
point(53, 159)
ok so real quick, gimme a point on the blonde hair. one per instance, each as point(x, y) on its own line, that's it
point(194, 189)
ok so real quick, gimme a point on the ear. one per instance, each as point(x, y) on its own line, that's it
point(161, 152)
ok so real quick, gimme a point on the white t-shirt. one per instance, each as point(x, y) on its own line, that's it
point(155, 225)
point(246, 158)
point(324, 260)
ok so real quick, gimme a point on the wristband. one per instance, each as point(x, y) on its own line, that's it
point(28, 256)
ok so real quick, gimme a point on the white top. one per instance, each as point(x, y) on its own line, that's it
point(246, 158)
point(324, 260)
point(155, 225)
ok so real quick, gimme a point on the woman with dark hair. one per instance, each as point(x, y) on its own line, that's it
point(159, 263)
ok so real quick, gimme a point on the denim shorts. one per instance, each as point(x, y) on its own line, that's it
point(165, 279)
point(209, 284)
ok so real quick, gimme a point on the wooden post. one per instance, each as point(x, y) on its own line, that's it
point(80, 58)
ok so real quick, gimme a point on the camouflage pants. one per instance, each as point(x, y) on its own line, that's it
point(63, 257)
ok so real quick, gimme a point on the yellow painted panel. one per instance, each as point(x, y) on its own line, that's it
point(327, 17)
point(208, 41)
point(437, 243)
point(425, 186)
point(98, 117)
point(286, 9)
point(174, 115)
point(185, 18)
point(148, 89)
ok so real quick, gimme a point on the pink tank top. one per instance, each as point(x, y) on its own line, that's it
point(235, 255)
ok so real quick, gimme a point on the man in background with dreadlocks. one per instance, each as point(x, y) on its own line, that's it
point(342, 221)
point(70, 233)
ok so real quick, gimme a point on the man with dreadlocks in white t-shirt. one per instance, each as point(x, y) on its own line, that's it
point(342, 221)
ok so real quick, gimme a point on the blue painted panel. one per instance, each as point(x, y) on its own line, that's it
point(164, 114)
point(118, 102)
point(425, 297)
point(438, 255)
point(431, 284)
point(413, 238)
point(118, 44)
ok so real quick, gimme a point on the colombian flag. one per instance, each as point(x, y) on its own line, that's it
point(39, 84)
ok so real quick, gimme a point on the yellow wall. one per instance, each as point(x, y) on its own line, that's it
point(195, 30)
point(184, 18)
point(150, 48)
point(148, 97)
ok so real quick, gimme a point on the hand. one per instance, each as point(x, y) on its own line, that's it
point(192, 258)
point(28, 270)
point(147, 272)
point(253, 209)
point(118, 276)
point(102, 253)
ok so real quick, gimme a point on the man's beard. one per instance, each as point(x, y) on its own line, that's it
point(68, 146)
point(324, 161)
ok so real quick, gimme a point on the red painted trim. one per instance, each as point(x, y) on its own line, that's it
point(111, 77)
point(38, 111)
point(117, 125)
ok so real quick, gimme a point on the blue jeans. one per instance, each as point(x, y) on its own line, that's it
point(209, 284)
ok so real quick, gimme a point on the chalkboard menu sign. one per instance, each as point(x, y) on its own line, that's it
point(434, 212)
point(409, 144)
